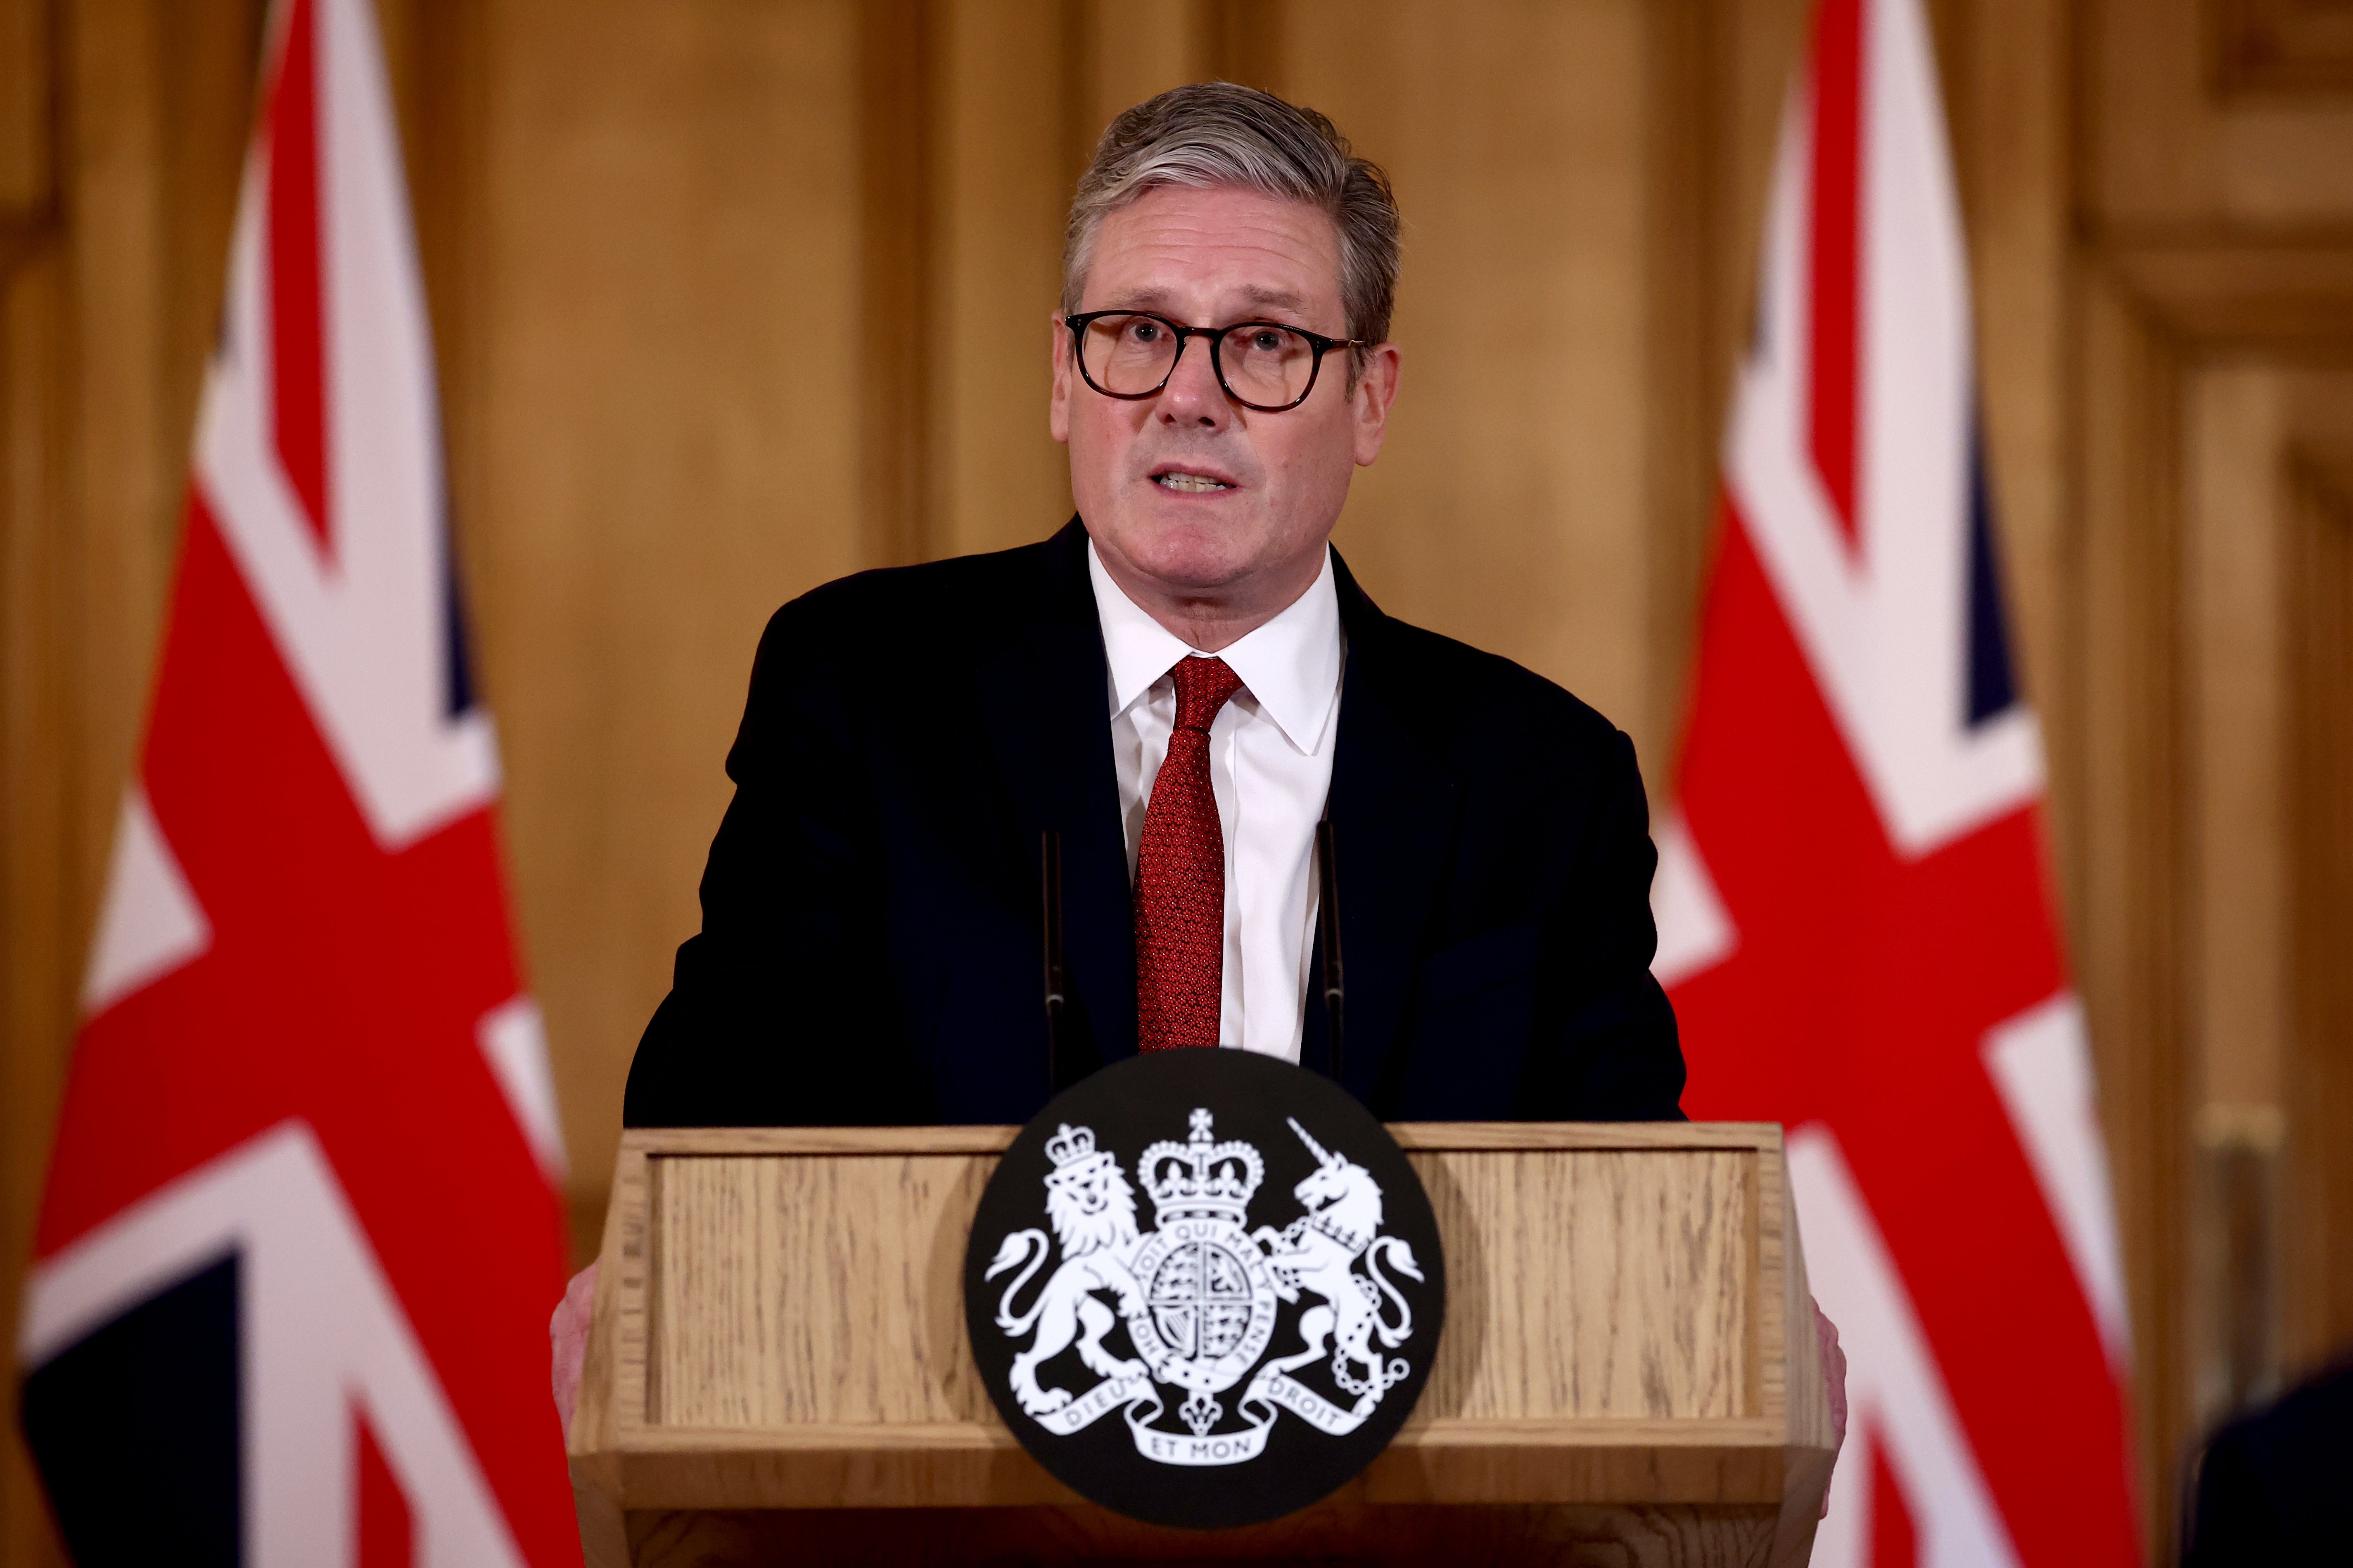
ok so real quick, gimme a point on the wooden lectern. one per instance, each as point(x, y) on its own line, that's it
point(779, 1369)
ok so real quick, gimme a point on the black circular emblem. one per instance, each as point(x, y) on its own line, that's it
point(1204, 1288)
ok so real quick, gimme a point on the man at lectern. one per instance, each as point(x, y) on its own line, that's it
point(1169, 778)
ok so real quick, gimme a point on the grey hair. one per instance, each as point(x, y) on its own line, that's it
point(1216, 133)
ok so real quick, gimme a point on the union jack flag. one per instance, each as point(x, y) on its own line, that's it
point(300, 1237)
point(1855, 924)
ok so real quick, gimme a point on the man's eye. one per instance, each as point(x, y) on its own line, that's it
point(1266, 342)
point(1145, 331)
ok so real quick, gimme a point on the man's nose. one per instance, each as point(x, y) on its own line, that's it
point(1192, 395)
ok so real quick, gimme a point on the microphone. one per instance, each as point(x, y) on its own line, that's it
point(1049, 876)
point(1327, 931)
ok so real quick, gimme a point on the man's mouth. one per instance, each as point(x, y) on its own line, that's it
point(1189, 484)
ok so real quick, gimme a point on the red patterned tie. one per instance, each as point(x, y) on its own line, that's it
point(1180, 875)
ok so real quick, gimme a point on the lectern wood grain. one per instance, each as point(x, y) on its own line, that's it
point(828, 1291)
point(1599, 1284)
point(779, 1327)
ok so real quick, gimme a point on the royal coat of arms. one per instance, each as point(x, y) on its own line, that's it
point(1200, 1296)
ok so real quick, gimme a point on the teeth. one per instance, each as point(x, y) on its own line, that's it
point(1190, 482)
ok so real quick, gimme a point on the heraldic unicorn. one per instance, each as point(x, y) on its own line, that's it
point(1198, 1295)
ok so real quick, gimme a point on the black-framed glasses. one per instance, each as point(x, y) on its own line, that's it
point(1262, 365)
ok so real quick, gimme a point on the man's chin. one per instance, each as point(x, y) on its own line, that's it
point(1189, 556)
point(1208, 575)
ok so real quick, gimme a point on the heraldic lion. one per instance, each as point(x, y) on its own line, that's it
point(1094, 1213)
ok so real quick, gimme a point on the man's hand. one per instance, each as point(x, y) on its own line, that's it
point(1833, 1374)
point(567, 1333)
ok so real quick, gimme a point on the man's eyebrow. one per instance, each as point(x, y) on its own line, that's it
point(1164, 302)
point(1275, 299)
point(1142, 300)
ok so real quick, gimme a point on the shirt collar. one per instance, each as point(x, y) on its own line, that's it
point(1290, 665)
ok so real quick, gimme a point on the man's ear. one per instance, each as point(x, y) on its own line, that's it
point(1368, 405)
point(1058, 404)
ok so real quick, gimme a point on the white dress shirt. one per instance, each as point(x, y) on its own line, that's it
point(1271, 767)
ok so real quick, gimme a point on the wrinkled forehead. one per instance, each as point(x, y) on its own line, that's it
point(1214, 251)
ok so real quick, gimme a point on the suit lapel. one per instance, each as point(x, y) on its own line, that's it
point(1042, 697)
point(1393, 808)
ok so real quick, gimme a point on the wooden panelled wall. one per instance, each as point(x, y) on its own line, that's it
point(734, 296)
point(2208, 678)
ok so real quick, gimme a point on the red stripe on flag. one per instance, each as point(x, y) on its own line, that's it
point(1835, 254)
point(298, 329)
point(1894, 1544)
point(387, 1530)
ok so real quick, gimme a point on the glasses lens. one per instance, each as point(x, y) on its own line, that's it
point(1266, 364)
point(1127, 354)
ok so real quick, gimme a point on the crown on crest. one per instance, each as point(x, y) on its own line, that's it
point(1201, 1178)
point(1075, 1156)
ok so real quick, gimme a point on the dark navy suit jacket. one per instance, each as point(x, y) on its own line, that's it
point(2271, 1486)
point(871, 949)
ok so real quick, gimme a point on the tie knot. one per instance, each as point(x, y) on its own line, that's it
point(1202, 687)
